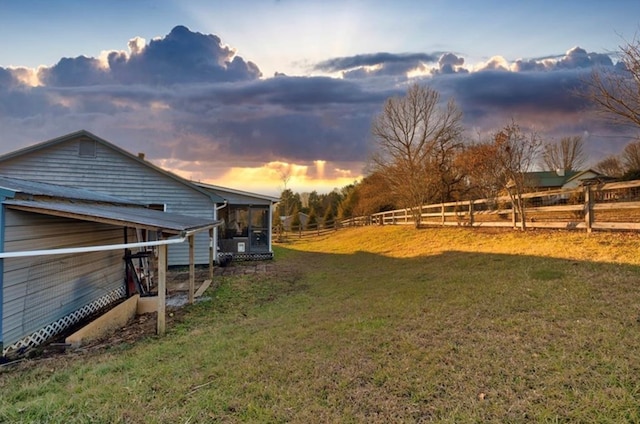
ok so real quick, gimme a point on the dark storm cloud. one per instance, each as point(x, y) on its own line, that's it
point(376, 64)
point(6, 79)
point(180, 57)
point(77, 72)
point(575, 58)
point(374, 59)
point(183, 56)
point(450, 63)
point(490, 91)
point(292, 119)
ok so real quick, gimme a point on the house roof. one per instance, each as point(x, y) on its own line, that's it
point(10, 186)
point(85, 205)
point(552, 179)
point(119, 215)
point(227, 193)
point(84, 133)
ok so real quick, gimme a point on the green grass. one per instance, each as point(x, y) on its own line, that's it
point(381, 324)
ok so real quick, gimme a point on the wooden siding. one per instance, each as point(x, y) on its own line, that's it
point(38, 290)
point(111, 172)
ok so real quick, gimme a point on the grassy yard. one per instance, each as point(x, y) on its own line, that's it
point(378, 324)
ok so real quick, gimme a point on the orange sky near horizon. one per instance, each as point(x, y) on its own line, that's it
point(269, 179)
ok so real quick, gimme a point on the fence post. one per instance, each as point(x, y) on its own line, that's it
point(471, 213)
point(588, 208)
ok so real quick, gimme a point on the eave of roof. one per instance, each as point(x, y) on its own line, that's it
point(119, 215)
point(10, 187)
point(235, 191)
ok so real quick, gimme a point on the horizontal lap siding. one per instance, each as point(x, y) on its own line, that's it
point(38, 290)
point(113, 173)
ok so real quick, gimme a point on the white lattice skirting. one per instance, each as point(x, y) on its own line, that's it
point(57, 327)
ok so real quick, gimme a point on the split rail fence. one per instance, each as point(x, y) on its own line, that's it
point(610, 206)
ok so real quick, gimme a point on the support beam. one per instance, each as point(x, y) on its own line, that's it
point(192, 270)
point(211, 250)
point(162, 289)
point(588, 208)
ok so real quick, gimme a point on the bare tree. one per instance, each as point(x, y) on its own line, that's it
point(616, 90)
point(414, 136)
point(516, 154)
point(610, 166)
point(631, 157)
point(568, 154)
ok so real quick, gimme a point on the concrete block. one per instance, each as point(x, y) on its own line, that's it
point(147, 304)
point(116, 318)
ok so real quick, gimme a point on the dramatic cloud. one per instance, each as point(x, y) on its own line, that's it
point(180, 57)
point(377, 64)
point(376, 59)
point(188, 101)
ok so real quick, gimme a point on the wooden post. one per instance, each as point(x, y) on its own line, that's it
point(471, 213)
point(442, 211)
point(588, 208)
point(211, 254)
point(162, 288)
point(192, 270)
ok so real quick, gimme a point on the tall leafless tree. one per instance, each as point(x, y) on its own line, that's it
point(616, 90)
point(568, 154)
point(414, 138)
point(517, 152)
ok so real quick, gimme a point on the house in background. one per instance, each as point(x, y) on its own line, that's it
point(246, 230)
point(560, 179)
point(62, 251)
point(81, 159)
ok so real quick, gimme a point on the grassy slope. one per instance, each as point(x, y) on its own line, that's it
point(383, 324)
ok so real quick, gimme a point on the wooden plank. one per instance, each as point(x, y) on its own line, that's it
point(619, 185)
point(559, 208)
point(211, 259)
point(192, 269)
point(162, 290)
point(616, 205)
point(616, 226)
point(204, 286)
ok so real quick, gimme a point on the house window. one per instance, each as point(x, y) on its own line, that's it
point(87, 148)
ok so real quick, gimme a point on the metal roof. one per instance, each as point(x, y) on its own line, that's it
point(234, 194)
point(120, 215)
point(11, 186)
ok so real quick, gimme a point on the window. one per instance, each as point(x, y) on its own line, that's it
point(87, 148)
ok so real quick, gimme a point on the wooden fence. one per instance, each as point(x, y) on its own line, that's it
point(302, 231)
point(611, 206)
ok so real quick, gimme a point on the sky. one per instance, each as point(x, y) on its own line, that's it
point(262, 95)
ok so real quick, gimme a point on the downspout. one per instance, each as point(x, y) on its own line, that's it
point(214, 239)
point(270, 226)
